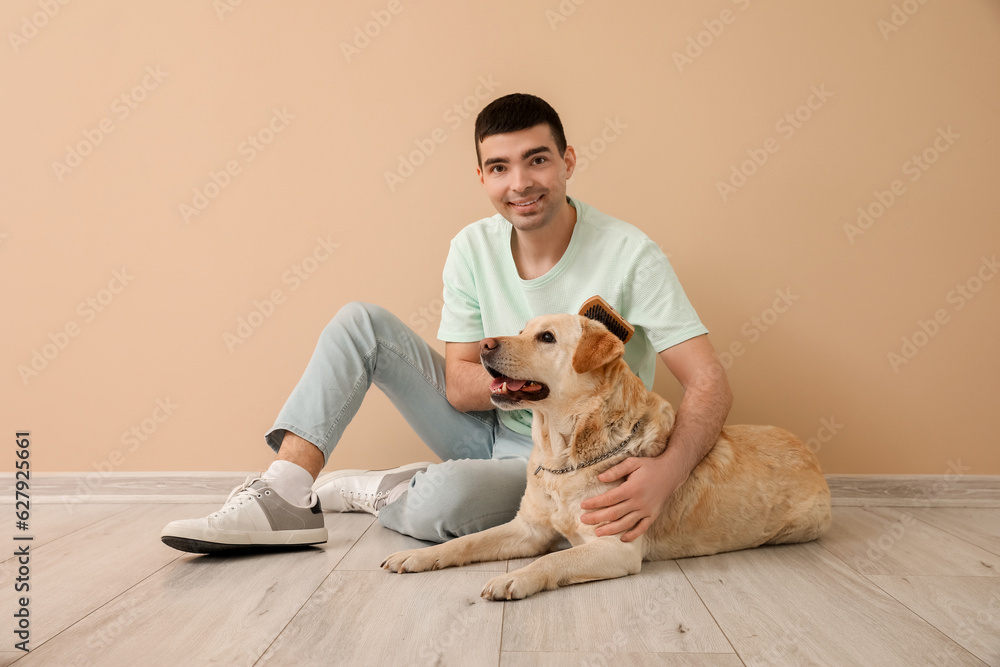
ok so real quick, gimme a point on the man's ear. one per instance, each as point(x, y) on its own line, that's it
point(569, 157)
point(597, 347)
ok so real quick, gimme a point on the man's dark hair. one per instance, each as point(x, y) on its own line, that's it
point(518, 111)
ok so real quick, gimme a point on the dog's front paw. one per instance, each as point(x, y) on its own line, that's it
point(515, 585)
point(412, 560)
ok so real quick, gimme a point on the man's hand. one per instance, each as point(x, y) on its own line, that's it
point(649, 482)
point(633, 506)
point(467, 383)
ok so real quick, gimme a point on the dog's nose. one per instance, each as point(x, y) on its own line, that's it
point(488, 345)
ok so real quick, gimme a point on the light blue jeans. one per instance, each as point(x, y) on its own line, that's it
point(483, 476)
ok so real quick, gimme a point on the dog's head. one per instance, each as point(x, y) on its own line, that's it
point(556, 359)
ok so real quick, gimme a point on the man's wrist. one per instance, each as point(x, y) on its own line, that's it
point(677, 458)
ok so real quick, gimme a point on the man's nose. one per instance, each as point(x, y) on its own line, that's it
point(520, 180)
point(488, 345)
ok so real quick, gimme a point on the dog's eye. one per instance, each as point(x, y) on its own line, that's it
point(546, 337)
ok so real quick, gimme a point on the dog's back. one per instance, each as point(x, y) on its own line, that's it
point(758, 485)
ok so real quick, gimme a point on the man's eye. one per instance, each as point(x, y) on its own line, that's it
point(539, 160)
point(546, 337)
point(497, 168)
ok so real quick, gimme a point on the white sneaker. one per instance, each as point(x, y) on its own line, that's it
point(254, 516)
point(361, 490)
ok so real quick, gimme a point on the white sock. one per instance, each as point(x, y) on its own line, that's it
point(290, 481)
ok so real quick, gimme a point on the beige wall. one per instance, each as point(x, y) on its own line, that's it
point(162, 95)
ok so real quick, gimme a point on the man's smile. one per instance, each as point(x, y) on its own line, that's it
point(526, 203)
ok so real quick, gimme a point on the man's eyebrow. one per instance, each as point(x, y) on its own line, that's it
point(535, 151)
point(524, 156)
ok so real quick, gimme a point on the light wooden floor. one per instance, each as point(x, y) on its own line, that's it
point(887, 585)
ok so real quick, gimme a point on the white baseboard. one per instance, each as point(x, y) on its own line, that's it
point(213, 486)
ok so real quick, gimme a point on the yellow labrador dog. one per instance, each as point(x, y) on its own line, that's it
point(757, 485)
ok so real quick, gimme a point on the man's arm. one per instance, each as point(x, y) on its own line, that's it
point(649, 482)
point(466, 382)
point(704, 405)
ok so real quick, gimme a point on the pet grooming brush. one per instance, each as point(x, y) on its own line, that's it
point(597, 309)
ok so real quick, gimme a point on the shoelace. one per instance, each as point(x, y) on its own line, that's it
point(367, 501)
point(238, 495)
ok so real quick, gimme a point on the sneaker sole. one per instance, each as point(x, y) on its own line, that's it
point(215, 541)
point(202, 547)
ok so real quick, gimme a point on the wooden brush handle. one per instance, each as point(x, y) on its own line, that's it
point(600, 310)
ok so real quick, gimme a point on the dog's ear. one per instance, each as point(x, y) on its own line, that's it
point(597, 347)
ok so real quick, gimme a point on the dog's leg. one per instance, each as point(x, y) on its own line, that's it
point(516, 539)
point(601, 558)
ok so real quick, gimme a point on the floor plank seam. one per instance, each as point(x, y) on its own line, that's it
point(64, 536)
point(333, 569)
point(847, 564)
point(95, 610)
point(353, 547)
point(917, 614)
point(503, 617)
point(297, 612)
point(503, 612)
point(956, 536)
point(709, 610)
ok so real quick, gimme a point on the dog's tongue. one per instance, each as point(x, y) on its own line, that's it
point(512, 385)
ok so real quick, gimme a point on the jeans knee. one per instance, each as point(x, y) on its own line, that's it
point(450, 499)
point(434, 491)
point(359, 315)
point(353, 311)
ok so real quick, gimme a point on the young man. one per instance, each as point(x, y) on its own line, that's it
point(543, 253)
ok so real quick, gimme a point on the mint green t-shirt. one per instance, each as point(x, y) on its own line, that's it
point(484, 296)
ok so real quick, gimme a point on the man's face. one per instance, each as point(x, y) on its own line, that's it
point(524, 176)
